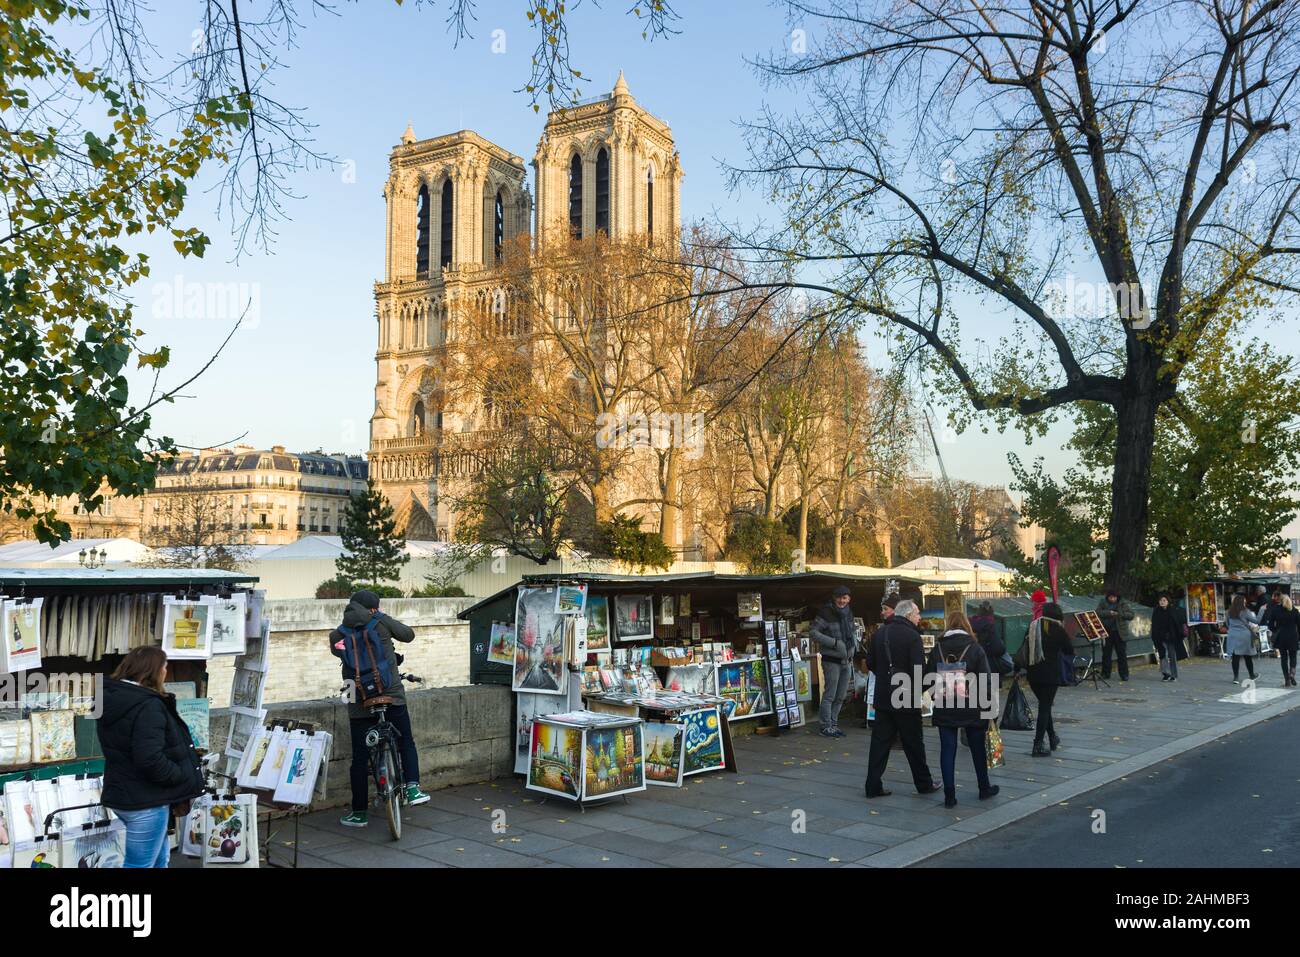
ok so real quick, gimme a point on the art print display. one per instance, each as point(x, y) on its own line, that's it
point(664, 743)
point(570, 599)
point(746, 684)
point(256, 649)
point(302, 764)
point(96, 848)
point(246, 689)
point(797, 718)
point(613, 761)
point(684, 606)
point(195, 713)
point(667, 605)
point(501, 643)
point(53, 736)
point(597, 615)
point(528, 707)
point(20, 648)
point(228, 623)
point(691, 679)
point(555, 759)
point(181, 689)
point(269, 771)
point(226, 828)
point(250, 764)
point(15, 743)
point(1090, 625)
point(186, 628)
point(243, 724)
point(634, 618)
point(541, 637)
point(702, 742)
point(749, 606)
point(254, 603)
point(1205, 604)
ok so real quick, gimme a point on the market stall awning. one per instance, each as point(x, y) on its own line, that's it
point(143, 579)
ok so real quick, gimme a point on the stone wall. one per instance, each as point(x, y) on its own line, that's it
point(464, 735)
point(302, 669)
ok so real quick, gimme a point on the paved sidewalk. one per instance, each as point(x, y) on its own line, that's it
point(750, 819)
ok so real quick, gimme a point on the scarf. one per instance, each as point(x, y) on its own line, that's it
point(1034, 640)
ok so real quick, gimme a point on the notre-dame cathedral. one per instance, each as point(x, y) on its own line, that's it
point(453, 202)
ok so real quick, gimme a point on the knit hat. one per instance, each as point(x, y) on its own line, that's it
point(366, 599)
point(840, 591)
point(891, 601)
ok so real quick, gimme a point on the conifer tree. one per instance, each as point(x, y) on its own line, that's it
point(374, 551)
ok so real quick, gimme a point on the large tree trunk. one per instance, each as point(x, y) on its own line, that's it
point(1131, 485)
point(839, 544)
point(803, 529)
point(670, 518)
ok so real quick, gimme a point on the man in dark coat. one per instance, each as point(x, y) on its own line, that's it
point(836, 638)
point(896, 650)
point(1115, 615)
point(361, 610)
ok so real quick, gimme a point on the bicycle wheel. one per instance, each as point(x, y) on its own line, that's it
point(391, 791)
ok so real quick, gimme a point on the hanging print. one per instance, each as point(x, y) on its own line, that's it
point(53, 736)
point(22, 635)
point(540, 641)
point(186, 628)
point(501, 645)
point(570, 599)
point(597, 623)
point(555, 759)
point(745, 683)
point(663, 753)
point(228, 624)
point(633, 618)
point(613, 761)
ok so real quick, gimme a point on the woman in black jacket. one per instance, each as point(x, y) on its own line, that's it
point(1044, 672)
point(1285, 622)
point(961, 711)
point(1167, 636)
point(149, 757)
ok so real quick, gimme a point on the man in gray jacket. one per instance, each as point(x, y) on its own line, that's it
point(836, 639)
point(361, 610)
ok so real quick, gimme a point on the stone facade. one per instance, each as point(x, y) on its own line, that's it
point(303, 669)
point(602, 166)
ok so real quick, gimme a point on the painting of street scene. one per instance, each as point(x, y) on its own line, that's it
point(539, 644)
point(555, 754)
point(745, 683)
point(702, 742)
point(615, 763)
point(663, 753)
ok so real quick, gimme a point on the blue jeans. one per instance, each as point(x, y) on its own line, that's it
point(948, 756)
point(146, 836)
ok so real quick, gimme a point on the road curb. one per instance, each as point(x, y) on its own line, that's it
point(936, 842)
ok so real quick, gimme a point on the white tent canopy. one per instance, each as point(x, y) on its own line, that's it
point(940, 563)
point(38, 554)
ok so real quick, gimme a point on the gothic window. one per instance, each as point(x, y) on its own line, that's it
point(602, 191)
point(650, 201)
point(575, 196)
point(422, 234)
point(499, 226)
point(444, 255)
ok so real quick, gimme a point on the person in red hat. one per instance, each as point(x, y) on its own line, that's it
point(1039, 598)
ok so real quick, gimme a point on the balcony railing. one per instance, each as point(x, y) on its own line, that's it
point(444, 441)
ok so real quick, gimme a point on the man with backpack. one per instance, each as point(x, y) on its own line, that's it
point(364, 643)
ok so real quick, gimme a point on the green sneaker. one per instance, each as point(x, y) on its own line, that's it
point(355, 819)
point(415, 796)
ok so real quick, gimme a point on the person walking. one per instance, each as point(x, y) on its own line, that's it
point(361, 612)
point(1115, 615)
point(1167, 626)
point(149, 759)
point(897, 658)
point(1045, 645)
point(887, 606)
point(958, 706)
point(986, 633)
point(1243, 626)
point(1286, 637)
point(836, 639)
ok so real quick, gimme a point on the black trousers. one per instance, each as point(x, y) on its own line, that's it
point(400, 718)
point(890, 724)
point(1046, 694)
point(1236, 665)
point(1114, 645)
point(1287, 657)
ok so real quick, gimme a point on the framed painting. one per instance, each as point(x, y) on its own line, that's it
point(634, 618)
point(1205, 604)
point(749, 606)
point(53, 736)
point(667, 605)
point(570, 599)
point(186, 628)
point(613, 761)
point(745, 683)
point(797, 718)
point(691, 679)
point(246, 689)
point(663, 753)
point(684, 605)
point(529, 707)
point(501, 643)
point(597, 623)
point(541, 639)
point(227, 619)
point(20, 645)
point(555, 759)
point(702, 742)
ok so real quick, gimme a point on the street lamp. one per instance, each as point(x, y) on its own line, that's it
point(94, 559)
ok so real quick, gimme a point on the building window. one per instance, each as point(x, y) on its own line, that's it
point(575, 196)
point(444, 254)
point(650, 202)
point(422, 234)
point(602, 191)
point(499, 227)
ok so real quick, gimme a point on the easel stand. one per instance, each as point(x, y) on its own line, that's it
point(1091, 672)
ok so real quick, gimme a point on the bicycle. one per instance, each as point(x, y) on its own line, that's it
point(384, 742)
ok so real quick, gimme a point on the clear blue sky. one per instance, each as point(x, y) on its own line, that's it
point(303, 375)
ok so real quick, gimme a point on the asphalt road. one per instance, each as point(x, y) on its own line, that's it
point(1232, 803)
